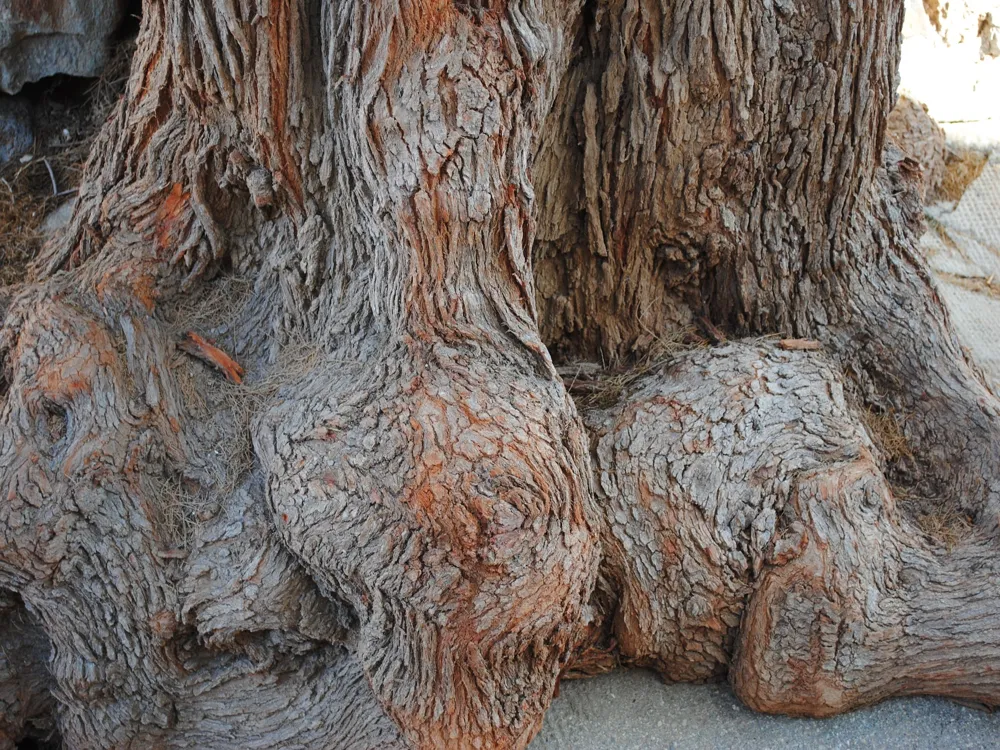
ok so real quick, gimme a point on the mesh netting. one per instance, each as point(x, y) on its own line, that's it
point(963, 247)
point(978, 212)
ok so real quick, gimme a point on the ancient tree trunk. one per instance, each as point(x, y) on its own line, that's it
point(285, 459)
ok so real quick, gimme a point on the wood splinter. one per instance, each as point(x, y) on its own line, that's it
point(199, 347)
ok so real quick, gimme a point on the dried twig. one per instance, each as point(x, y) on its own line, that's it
point(171, 554)
point(55, 185)
point(802, 345)
point(712, 332)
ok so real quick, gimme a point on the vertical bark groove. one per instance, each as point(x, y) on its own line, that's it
point(397, 531)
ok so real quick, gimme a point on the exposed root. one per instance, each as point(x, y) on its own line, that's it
point(423, 471)
point(750, 529)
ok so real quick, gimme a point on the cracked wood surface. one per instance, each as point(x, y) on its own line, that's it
point(391, 527)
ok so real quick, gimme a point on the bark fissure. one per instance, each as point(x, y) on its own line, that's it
point(392, 527)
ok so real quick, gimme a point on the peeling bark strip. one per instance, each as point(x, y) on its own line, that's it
point(391, 528)
point(198, 347)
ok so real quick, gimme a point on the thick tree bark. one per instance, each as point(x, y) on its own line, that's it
point(733, 170)
point(393, 528)
point(750, 527)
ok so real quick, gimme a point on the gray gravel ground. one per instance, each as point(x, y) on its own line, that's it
point(634, 710)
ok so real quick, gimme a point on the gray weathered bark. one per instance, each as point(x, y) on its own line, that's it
point(750, 528)
point(369, 514)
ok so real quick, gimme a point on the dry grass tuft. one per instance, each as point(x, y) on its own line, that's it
point(210, 307)
point(938, 519)
point(941, 231)
point(212, 311)
point(181, 510)
point(594, 386)
point(886, 432)
point(962, 166)
point(989, 286)
point(243, 402)
point(948, 526)
point(22, 211)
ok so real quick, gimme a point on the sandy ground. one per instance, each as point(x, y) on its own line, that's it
point(634, 710)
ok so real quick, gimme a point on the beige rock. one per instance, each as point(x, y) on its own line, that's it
point(916, 133)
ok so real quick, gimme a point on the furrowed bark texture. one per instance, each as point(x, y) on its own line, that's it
point(733, 170)
point(417, 480)
point(749, 527)
point(285, 460)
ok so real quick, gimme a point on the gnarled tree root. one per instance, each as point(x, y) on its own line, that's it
point(340, 595)
point(397, 540)
point(442, 498)
point(749, 528)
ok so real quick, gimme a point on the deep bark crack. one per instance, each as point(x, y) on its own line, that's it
point(394, 526)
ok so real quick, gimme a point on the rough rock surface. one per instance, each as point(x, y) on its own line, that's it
point(40, 38)
point(15, 128)
point(918, 136)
